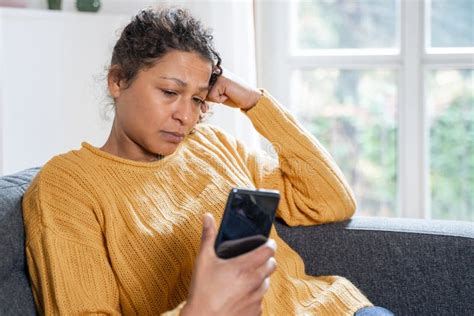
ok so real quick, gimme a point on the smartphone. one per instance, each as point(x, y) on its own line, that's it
point(247, 221)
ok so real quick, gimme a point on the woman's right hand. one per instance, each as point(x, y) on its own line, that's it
point(228, 286)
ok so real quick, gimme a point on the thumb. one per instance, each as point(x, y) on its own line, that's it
point(208, 232)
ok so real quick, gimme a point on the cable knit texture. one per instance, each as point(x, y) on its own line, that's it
point(107, 235)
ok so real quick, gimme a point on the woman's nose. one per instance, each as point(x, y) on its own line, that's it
point(184, 112)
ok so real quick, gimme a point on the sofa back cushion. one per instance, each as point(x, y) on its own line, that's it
point(410, 266)
point(15, 292)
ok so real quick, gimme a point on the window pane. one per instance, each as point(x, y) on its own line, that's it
point(353, 114)
point(452, 23)
point(450, 99)
point(331, 24)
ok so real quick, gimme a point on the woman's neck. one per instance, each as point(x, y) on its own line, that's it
point(119, 144)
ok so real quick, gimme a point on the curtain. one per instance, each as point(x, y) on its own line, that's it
point(234, 35)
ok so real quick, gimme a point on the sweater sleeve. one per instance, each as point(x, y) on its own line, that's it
point(313, 189)
point(66, 254)
point(67, 257)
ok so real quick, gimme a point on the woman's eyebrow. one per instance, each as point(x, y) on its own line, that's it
point(184, 84)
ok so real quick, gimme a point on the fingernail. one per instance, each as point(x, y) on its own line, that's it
point(267, 283)
point(272, 244)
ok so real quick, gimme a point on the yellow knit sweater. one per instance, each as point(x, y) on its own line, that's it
point(107, 235)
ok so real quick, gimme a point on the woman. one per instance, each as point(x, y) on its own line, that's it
point(117, 229)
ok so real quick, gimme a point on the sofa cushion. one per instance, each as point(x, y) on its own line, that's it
point(15, 292)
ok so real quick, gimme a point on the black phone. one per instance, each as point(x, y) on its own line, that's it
point(247, 221)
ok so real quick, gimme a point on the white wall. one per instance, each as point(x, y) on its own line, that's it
point(121, 7)
point(50, 98)
point(52, 68)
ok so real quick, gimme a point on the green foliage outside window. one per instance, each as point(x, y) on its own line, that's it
point(353, 114)
point(452, 148)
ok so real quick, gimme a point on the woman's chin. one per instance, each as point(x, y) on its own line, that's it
point(166, 150)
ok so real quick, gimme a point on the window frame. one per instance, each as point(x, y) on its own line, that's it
point(411, 61)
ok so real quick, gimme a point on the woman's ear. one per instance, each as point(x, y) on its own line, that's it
point(114, 81)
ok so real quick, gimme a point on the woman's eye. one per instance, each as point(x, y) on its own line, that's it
point(168, 93)
point(198, 101)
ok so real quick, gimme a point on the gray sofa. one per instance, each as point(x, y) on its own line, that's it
point(412, 267)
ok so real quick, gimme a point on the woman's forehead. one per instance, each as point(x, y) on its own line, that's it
point(183, 66)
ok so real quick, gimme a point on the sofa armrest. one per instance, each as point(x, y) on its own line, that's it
point(16, 297)
point(411, 266)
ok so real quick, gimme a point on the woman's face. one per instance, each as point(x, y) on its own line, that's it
point(161, 105)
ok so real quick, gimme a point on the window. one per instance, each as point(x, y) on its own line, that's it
point(387, 86)
point(450, 100)
point(345, 114)
point(449, 91)
point(332, 24)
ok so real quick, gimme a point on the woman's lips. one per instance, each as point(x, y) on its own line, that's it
point(172, 137)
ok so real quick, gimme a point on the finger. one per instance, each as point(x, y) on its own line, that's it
point(221, 98)
point(257, 257)
point(205, 107)
point(262, 273)
point(267, 269)
point(219, 92)
point(257, 295)
point(216, 97)
point(208, 236)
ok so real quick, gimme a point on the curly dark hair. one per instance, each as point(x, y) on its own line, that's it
point(152, 33)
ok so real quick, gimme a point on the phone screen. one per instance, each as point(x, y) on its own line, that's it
point(247, 221)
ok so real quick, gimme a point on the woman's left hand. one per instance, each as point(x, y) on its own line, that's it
point(233, 92)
